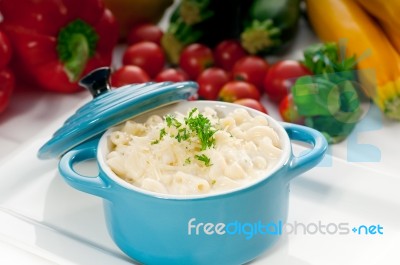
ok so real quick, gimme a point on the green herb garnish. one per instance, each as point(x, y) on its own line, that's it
point(204, 159)
point(162, 133)
point(172, 121)
point(201, 125)
point(183, 134)
point(197, 126)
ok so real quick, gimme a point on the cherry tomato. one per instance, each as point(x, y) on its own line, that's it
point(5, 50)
point(195, 58)
point(145, 32)
point(251, 103)
point(211, 82)
point(251, 69)
point(227, 53)
point(234, 90)
point(147, 55)
point(172, 74)
point(281, 77)
point(7, 84)
point(288, 110)
point(129, 74)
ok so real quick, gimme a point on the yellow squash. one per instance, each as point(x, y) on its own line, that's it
point(387, 12)
point(338, 20)
point(393, 34)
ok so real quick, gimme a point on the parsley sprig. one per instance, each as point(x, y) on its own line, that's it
point(202, 127)
point(204, 158)
point(162, 134)
point(198, 126)
point(172, 121)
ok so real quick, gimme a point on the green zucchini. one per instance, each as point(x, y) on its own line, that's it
point(203, 21)
point(195, 11)
point(270, 25)
point(177, 37)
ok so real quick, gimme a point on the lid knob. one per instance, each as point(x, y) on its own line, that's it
point(97, 81)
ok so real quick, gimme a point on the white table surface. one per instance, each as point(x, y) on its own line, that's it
point(362, 191)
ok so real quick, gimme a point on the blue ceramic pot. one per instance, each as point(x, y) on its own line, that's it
point(226, 228)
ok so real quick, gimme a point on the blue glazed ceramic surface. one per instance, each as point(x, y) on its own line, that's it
point(111, 108)
point(165, 229)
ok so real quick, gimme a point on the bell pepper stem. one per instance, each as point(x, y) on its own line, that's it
point(76, 44)
point(75, 65)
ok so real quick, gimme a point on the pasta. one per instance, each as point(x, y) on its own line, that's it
point(194, 153)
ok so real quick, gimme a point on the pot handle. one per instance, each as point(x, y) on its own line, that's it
point(97, 185)
point(303, 163)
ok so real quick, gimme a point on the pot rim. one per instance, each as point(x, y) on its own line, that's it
point(102, 150)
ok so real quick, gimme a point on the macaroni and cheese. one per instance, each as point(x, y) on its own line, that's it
point(194, 153)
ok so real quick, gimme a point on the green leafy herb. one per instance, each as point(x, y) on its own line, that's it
point(172, 121)
point(183, 134)
point(328, 100)
point(204, 159)
point(201, 125)
point(326, 59)
point(192, 112)
point(162, 133)
point(197, 126)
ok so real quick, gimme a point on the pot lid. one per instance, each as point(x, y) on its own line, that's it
point(110, 107)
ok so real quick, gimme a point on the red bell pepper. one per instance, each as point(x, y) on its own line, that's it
point(5, 50)
point(7, 79)
point(56, 42)
point(7, 83)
